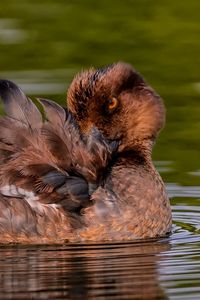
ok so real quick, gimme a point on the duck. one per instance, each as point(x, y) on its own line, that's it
point(84, 172)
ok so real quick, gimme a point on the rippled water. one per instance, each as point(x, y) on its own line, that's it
point(42, 45)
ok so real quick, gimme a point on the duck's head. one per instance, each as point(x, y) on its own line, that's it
point(117, 101)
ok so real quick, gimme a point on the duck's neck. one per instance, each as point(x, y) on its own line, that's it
point(140, 194)
point(138, 153)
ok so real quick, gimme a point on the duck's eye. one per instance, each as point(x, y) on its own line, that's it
point(112, 103)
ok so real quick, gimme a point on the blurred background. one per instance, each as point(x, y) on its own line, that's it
point(44, 43)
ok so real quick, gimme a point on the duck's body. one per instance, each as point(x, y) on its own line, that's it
point(131, 204)
point(67, 183)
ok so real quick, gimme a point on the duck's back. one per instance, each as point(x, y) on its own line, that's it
point(46, 170)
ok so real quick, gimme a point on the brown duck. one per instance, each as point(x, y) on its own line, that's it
point(86, 173)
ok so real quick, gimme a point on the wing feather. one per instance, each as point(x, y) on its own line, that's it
point(46, 163)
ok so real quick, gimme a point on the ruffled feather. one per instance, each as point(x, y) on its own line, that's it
point(46, 164)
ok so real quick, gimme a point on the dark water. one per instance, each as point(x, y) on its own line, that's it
point(42, 45)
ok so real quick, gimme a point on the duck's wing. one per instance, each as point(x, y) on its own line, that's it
point(46, 163)
point(88, 155)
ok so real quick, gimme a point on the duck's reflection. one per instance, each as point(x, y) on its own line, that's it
point(112, 271)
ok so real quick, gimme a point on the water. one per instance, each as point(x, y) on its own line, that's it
point(163, 269)
point(167, 268)
point(42, 45)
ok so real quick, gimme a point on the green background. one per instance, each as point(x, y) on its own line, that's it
point(44, 43)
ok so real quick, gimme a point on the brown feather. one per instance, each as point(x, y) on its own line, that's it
point(45, 163)
point(54, 112)
point(17, 106)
